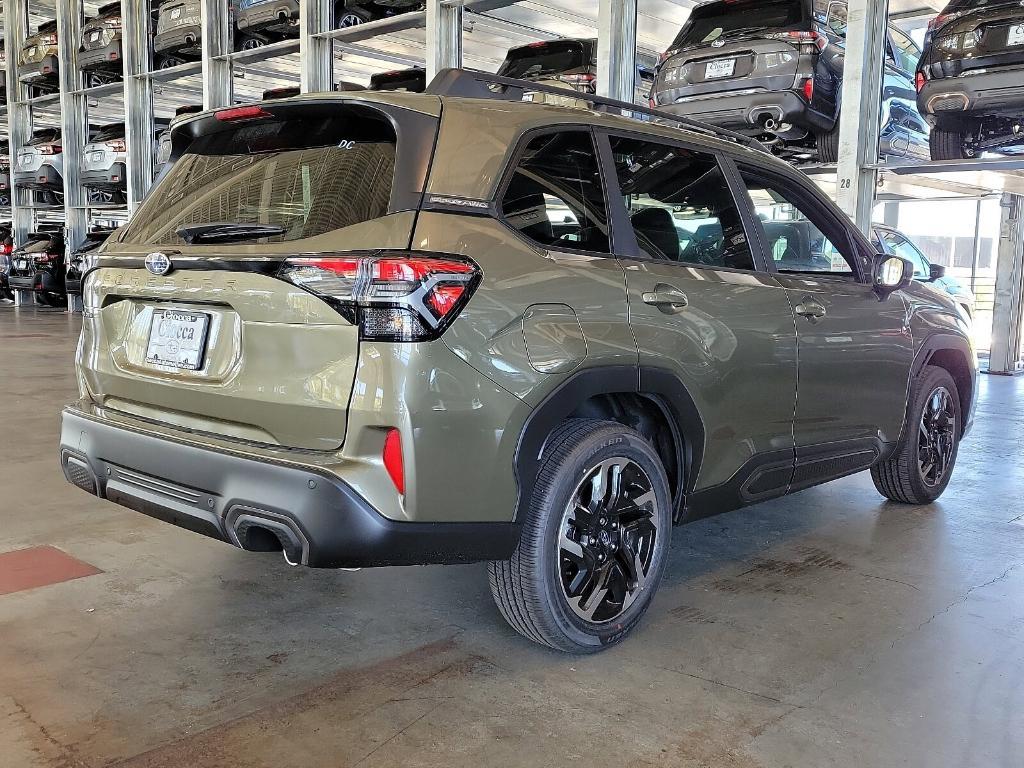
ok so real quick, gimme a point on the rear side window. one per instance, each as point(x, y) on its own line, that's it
point(307, 177)
point(740, 18)
point(555, 196)
point(680, 205)
point(539, 59)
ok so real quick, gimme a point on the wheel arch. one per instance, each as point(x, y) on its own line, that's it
point(652, 401)
point(953, 354)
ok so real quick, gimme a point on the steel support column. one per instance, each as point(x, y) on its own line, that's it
point(19, 122)
point(139, 126)
point(315, 53)
point(860, 114)
point(1009, 296)
point(74, 123)
point(444, 37)
point(217, 84)
point(616, 49)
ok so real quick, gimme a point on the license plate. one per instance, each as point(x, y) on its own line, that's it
point(726, 68)
point(1016, 35)
point(94, 37)
point(30, 52)
point(177, 339)
point(25, 160)
point(95, 157)
point(20, 264)
point(175, 14)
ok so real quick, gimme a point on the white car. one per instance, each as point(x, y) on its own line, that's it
point(40, 165)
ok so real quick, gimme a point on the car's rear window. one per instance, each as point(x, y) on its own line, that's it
point(108, 132)
point(737, 18)
point(305, 176)
point(541, 59)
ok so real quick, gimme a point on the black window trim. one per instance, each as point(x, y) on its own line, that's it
point(519, 149)
point(804, 197)
point(624, 230)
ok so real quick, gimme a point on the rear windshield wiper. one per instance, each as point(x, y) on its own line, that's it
point(226, 232)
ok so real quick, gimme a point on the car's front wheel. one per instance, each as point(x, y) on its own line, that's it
point(594, 542)
point(920, 468)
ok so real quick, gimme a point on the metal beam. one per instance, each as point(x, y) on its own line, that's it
point(1009, 293)
point(217, 82)
point(616, 49)
point(315, 53)
point(444, 37)
point(19, 119)
point(866, 36)
point(138, 100)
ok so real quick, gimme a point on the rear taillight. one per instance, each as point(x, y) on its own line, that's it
point(809, 89)
point(393, 296)
point(803, 40)
point(117, 145)
point(6, 249)
point(114, 22)
point(919, 81)
point(583, 77)
point(49, 149)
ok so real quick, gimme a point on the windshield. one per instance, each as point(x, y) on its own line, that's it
point(302, 176)
point(541, 59)
point(710, 22)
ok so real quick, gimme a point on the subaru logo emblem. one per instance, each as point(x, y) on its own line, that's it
point(720, 43)
point(158, 263)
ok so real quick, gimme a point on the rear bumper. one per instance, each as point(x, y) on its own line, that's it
point(231, 498)
point(744, 111)
point(267, 14)
point(45, 177)
point(183, 39)
point(112, 178)
point(34, 71)
point(992, 92)
point(105, 57)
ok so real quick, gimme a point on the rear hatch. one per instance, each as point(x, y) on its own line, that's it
point(736, 45)
point(44, 143)
point(99, 31)
point(219, 343)
point(565, 61)
point(105, 148)
point(40, 45)
point(183, 13)
point(977, 34)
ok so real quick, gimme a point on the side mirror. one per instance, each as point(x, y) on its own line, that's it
point(891, 274)
point(936, 272)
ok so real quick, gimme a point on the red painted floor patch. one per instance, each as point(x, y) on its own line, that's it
point(38, 567)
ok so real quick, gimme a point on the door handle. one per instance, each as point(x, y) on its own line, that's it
point(810, 309)
point(668, 299)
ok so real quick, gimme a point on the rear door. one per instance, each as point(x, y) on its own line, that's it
point(855, 351)
point(705, 313)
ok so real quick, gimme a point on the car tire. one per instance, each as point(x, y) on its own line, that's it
point(931, 437)
point(947, 145)
point(604, 541)
point(250, 42)
point(351, 17)
point(828, 145)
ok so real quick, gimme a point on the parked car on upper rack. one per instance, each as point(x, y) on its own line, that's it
point(105, 160)
point(568, 63)
point(895, 243)
point(79, 260)
point(412, 80)
point(40, 166)
point(5, 173)
point(37, 63)
point(179, 33)
point(774, 69)
point(971, 78)
point(38, 266)
point(99, 54)
point(163, 139)
point(349, 13)
point(261, 21)
point(281, 93)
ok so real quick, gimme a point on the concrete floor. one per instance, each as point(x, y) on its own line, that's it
point(826, 629)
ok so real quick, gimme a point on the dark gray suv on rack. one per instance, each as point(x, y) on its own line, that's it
point(774, 69)
point(380, 328)
point(971, 78)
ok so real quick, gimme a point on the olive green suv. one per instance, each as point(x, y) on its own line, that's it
point(371, 329)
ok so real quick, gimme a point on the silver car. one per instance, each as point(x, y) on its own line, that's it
point(105, 160)
point(40, 165)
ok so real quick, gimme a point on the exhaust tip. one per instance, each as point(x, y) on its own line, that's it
point(262, 531)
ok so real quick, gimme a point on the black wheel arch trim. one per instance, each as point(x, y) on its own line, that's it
point(940, 342)
point(661, 387)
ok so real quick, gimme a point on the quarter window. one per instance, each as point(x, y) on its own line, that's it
point(680, 205)
point(905, 51)
point(555, 197)
point(795, 236)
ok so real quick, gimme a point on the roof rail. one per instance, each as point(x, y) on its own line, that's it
point(473, 84)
